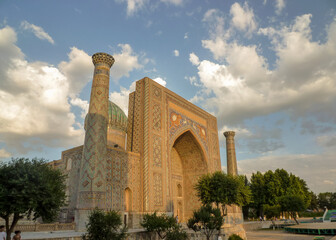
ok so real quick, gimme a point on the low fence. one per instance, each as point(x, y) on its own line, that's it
point(46, 227)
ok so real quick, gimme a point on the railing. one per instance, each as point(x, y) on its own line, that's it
point(46, 227)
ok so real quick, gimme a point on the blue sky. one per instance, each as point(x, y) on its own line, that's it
point(266, 69)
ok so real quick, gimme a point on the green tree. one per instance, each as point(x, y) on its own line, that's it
point(105, 226)
point(258, 191)
point(30, 188)
point(159, 224)
point(292, 204)
point(313, 202)
point(222, 189)
point(272, 211)
point(269, 187)
point(327, 199)
point(206, 220)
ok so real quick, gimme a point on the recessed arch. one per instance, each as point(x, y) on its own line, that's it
point(128, 200)
point(188, 163)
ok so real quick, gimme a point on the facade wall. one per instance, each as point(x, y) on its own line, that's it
point(72, 161)
point(159, 118)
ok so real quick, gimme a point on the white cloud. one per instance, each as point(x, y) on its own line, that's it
point(82, 104)
point(4, 153)
point(125, 62)
point(121, 98)
point(36, 98)
point(173, 2)
point(78, 70)
point(38, 31)
point(133, 6)
point(243, 17)
point(160, 81)
point(302, 80)
point(176, 53)
point(194, 59)
point(279, 5)
point(185, 36)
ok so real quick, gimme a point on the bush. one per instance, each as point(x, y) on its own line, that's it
point(177, 233)
point(104, 226)
point(235, 237)
point(162, 224)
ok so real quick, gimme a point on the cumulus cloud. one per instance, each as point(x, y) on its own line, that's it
point(36, 99)
point(243, 17)
point(176, 53)
point(37, 31)
point(125, 62)
point(303, 79)
point(78, 70)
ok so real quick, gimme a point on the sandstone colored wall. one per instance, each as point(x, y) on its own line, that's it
point(157, 118)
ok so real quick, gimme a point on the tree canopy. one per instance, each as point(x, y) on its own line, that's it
point(206, 219)
point(30, 188)
point(292, 204)
point(267, 188)
point(222, 189)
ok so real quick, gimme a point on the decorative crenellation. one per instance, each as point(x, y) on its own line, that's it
point(102, 58)
point(157, 187)
point(229, 134)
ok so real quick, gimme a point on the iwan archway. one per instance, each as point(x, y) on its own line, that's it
point(188, 164)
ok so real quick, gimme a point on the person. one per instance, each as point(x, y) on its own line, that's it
point(17, 235)
point(2, 233)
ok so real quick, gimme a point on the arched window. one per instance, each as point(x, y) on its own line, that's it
point(179, 190)
point(128, 200)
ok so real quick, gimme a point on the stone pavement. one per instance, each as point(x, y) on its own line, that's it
point(279, 235)
point(51, 235)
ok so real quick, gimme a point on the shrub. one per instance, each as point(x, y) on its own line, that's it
point(104, 226)
point(235, 237)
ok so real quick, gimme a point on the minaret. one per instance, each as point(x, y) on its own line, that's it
point(231, 153)
point(92, 186)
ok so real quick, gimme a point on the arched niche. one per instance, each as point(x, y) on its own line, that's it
point(188, 164)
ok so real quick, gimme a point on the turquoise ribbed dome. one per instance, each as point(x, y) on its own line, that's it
point(117, 119)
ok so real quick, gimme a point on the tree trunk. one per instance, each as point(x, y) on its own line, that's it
point(10, 229)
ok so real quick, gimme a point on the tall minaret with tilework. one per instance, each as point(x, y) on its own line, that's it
point(92, 185)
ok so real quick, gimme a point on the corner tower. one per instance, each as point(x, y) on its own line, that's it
point(92, 185)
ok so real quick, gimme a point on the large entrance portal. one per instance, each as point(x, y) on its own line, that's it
point(188, 164)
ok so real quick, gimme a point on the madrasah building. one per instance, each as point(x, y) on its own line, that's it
point(149, 161)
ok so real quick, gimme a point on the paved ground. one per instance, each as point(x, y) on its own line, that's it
point(44, 235)
point(279, 235)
